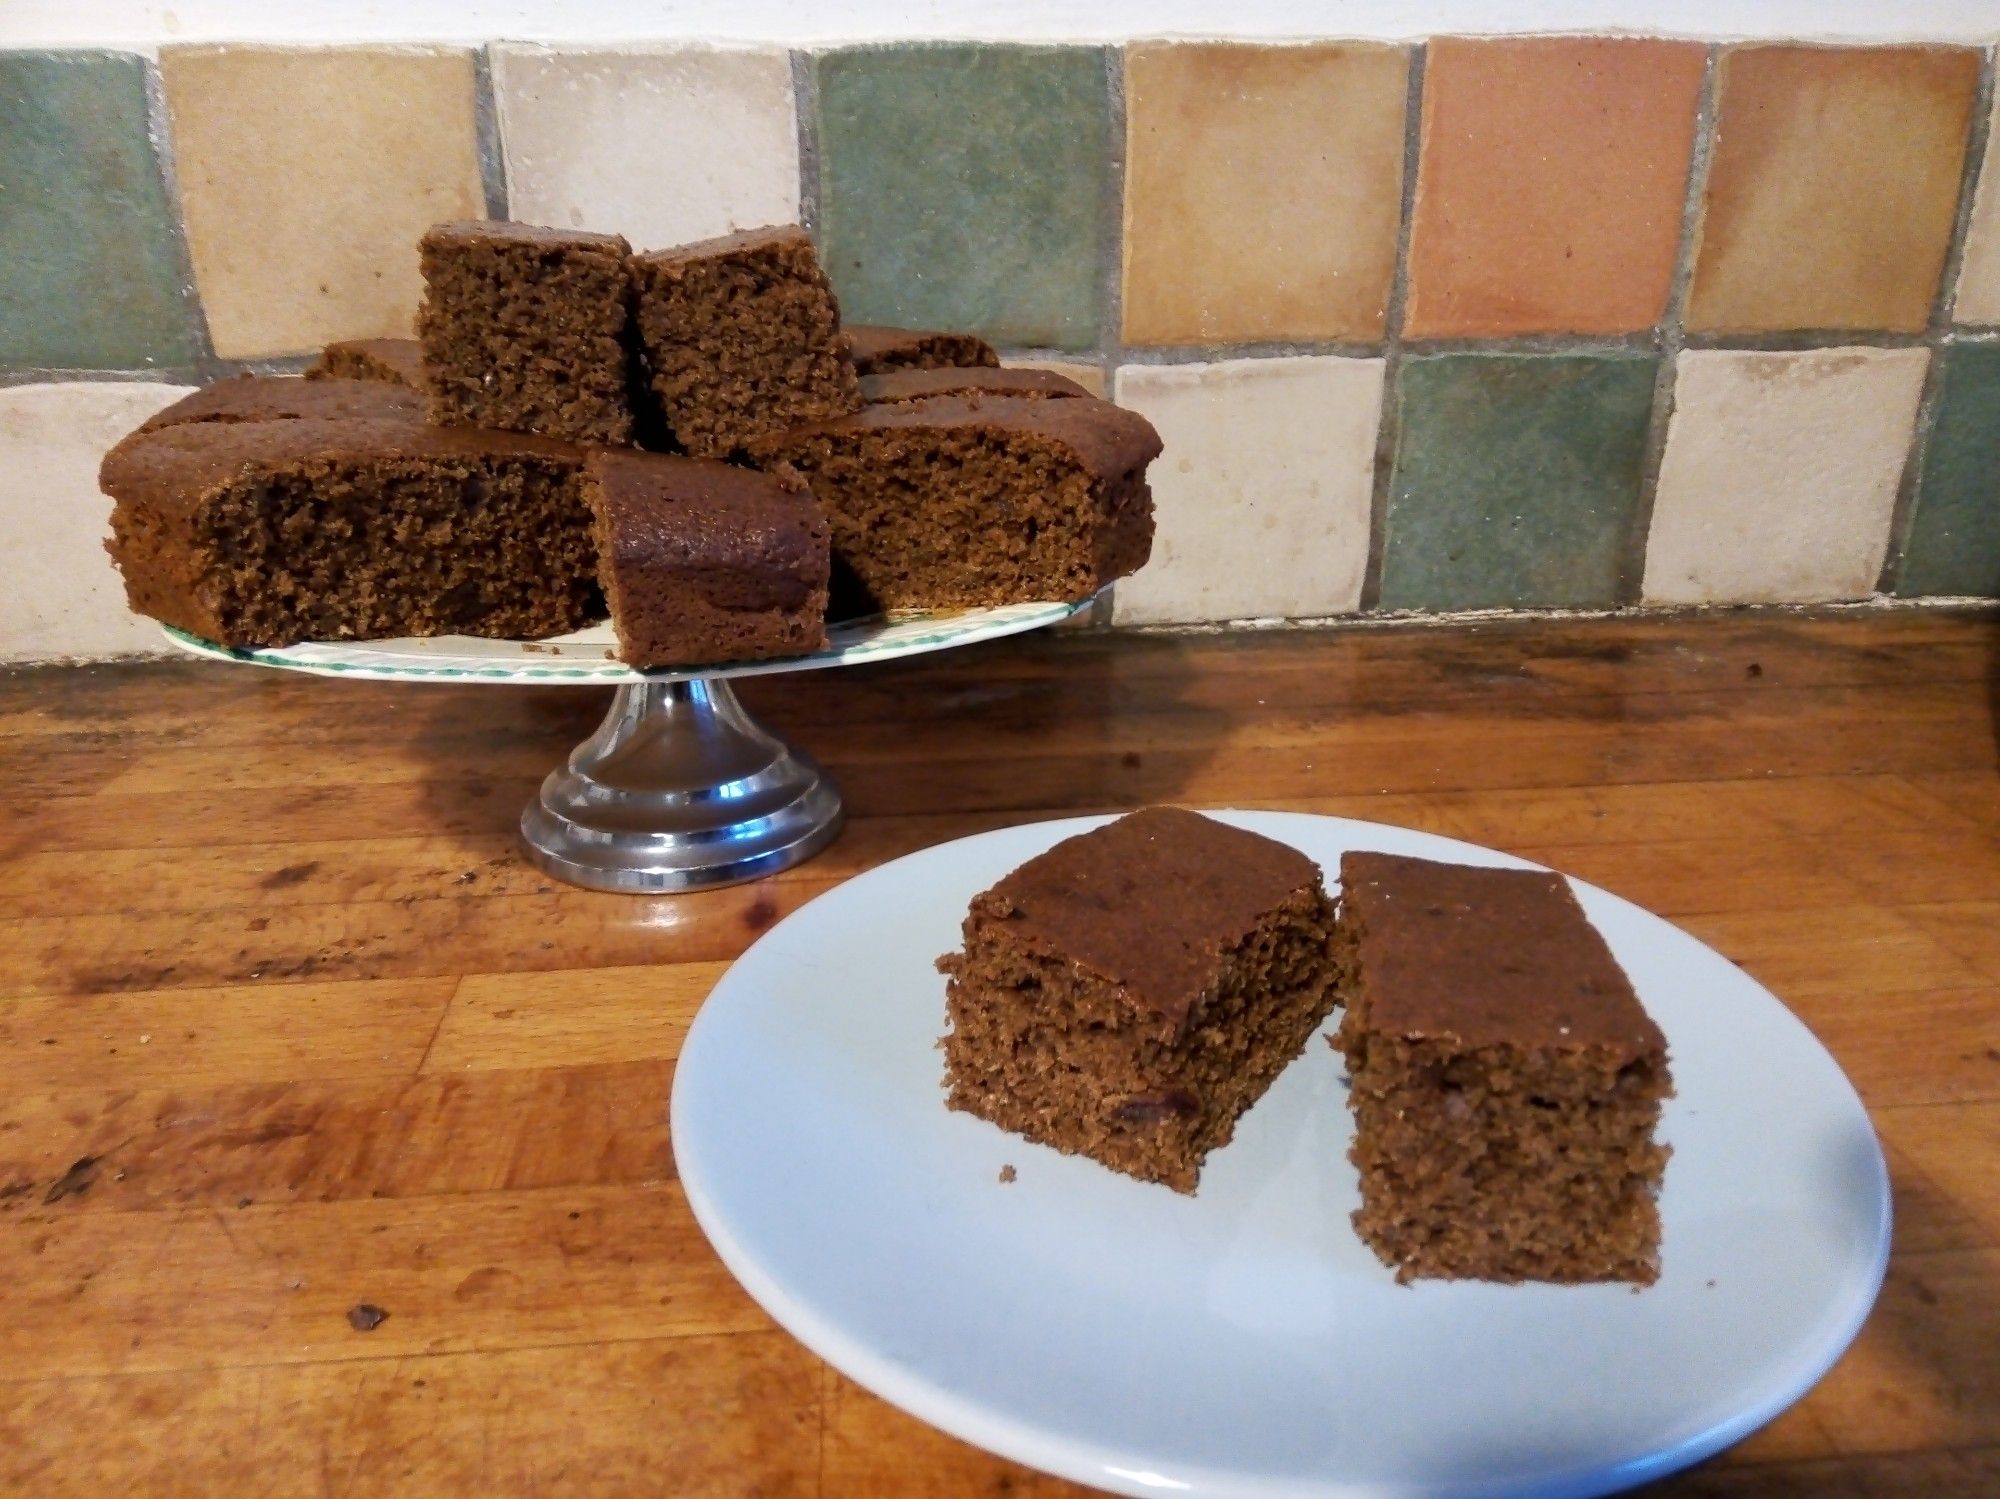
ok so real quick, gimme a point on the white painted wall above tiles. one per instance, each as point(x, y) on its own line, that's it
point(66, 23)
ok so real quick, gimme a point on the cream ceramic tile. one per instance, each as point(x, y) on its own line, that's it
point(63, 596)
point(1780, 475)
point(306, 177)
point(661, 145)
point(1263, 189)
point(1262, 492)
point(1979, 276)
point(1089, 376)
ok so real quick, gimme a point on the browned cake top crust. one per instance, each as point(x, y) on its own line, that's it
point(1150, 902)
point(763, 530)
point(404, 356)
point(528, 236)
point(264, 398)
point(871, 343)
point(1107, 440)
point(1487, 957)
point(178, 465)
point(917, 385)
point(743, 241)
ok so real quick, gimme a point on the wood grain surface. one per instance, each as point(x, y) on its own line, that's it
point(288, 1027)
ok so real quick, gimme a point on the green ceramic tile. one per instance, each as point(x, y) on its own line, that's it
point(962, 187)
point(1954, 545)
point(88, 275)
point(1516, 479)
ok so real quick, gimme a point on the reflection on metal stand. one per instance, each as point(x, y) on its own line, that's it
point(679, 788)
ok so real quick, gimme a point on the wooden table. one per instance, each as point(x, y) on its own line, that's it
point(288, 1028)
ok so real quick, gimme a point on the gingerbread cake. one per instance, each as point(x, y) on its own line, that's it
point(965, 501)
point(398, 361)
point(916, 385)
point(876, 349)
point(702, 561)
point(266, 533)
point(1506, 1082)
point(266, 398)
point(525, 329)
point(741, 337)
point(1129, 994)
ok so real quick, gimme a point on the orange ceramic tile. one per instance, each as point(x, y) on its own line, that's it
point(1551, 184)
point(1833, 187)
point(1263, 190)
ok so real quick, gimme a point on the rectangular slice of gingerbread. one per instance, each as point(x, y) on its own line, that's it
point(263, 533)
point(741, 337)
point(524, 329)
point(957, 502)
point(1506, 1082)
point(878, 349)
point(1129, 994)
point(271, 398)
point(392, 361)
point(918, 385)
point(704, 562)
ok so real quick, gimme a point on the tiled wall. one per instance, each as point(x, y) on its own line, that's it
point(1570, 322)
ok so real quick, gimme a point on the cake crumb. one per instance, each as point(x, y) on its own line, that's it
point(1006, 1174)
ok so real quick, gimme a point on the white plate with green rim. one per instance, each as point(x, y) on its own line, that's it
point(1243, 1343)
point(588, 656)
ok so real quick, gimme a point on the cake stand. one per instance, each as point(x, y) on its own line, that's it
point(679, 788)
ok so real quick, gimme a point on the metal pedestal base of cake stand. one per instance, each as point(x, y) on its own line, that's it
point(679, 789)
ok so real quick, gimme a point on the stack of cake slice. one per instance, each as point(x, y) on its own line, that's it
point(686, 437)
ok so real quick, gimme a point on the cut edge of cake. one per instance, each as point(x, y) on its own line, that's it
point(740, 338)
point(1505, 1080)
point(1130, 994)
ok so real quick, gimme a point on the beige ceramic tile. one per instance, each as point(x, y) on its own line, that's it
point(1089, 376)
point(1780, 475)
point(1262, 492)
point(1979, 277)
point(63, 596)
point(662, 146)
point(306, 177)
point(1833, 187)
point(1551, 185)
point(1263, 187)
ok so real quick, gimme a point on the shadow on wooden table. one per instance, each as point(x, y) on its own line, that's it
point(1993, 688)
point(924, 749)
point(1042, 726)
